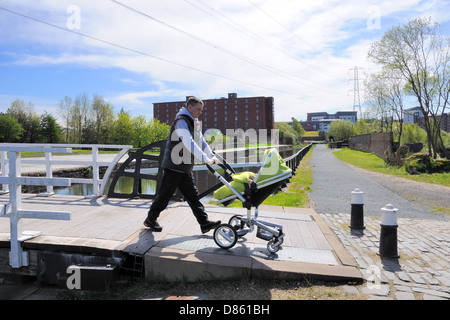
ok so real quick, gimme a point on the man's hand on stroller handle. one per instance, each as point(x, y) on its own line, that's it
point(213, 161)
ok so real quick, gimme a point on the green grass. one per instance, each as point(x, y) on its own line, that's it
point(298, 188)
point(311, 134)
point(371, 162)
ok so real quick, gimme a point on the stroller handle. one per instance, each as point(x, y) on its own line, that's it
point(224, 165)
point(225, 182)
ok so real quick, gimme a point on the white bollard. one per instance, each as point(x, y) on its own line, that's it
point(388, 235)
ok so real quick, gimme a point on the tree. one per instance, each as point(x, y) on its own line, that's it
point(27, 118)
point(422, 56)
point(65, 106)
point(123, 131)
point(298, 128)
point(103, 119)
point(341, 130)
point(51, 132)
point(384, 93)
point(79, 114)
point(413, 134)
point(286, 131)
point(375, 94)
point(141, 131)
point(157, 131)
point(10, 129)
point(364, 126)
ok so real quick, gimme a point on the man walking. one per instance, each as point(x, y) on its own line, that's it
point(185, 144)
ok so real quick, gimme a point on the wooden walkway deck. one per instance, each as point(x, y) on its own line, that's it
point(99, 223)
point(105, 225)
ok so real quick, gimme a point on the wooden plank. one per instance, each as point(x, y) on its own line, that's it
point(292, 237)
point(308, 239)
point(321, 241)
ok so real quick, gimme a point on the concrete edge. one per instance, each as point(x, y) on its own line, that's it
point(342, 254)
point(176, 265)
point(182, 265)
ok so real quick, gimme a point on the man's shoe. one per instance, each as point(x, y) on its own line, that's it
point(208, 225)
point(153, 225)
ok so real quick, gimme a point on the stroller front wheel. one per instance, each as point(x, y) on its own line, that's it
point(225, 236)
point(272, 247)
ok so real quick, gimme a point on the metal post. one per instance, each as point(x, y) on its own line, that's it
point(357, 212)
point(95, 174)
point(388, 235)
point(48, 174)
point(4, 167)
point(16, 255)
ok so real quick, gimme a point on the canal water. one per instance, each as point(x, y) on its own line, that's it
point(203, 179)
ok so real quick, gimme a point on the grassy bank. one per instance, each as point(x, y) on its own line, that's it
point(371, 162)
point(296, 194)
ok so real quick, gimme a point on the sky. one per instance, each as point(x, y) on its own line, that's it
point(136, 53)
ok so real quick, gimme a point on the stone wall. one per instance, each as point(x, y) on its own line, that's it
point(375, 142)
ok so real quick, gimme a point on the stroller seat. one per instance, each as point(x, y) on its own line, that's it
point(272, 173)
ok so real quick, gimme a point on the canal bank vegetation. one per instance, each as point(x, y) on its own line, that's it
point(372, 162)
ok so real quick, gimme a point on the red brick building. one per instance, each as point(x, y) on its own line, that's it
point(225, 113)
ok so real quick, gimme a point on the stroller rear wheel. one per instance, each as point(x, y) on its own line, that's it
point(239, 225)
point(225, 236)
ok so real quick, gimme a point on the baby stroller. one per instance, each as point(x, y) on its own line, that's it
point(252, 189)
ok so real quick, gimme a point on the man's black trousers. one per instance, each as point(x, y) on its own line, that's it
point(169, 183)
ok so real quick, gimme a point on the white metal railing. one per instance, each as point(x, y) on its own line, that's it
point(98, 184)
point(12, 182)
point(12, 209)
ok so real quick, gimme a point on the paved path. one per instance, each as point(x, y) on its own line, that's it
point(423, 270)
point(334, 180)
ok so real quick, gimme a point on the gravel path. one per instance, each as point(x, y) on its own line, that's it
point(334, 180)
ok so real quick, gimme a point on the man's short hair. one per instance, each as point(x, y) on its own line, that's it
point(193, 101)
